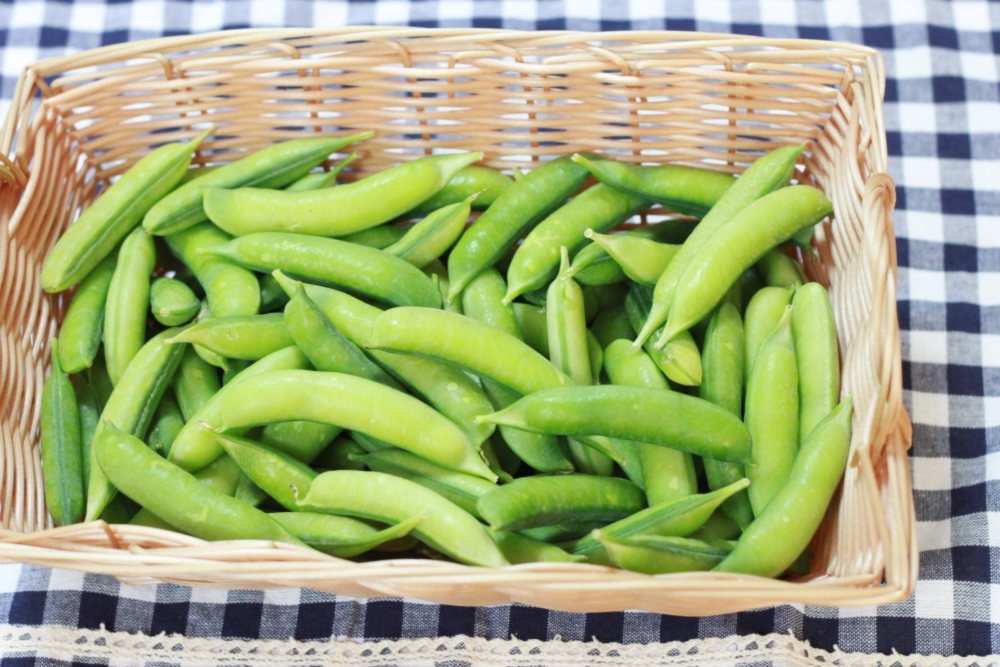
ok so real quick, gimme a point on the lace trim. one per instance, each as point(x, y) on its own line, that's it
point(68, 644)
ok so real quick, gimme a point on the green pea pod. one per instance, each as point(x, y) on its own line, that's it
point(767, 173)
point(302, 440)
point(99, 380)
point(681, 360)
point(536, 261)
point(688, 423)
point(176, 496)
point(487, 183)
point(518, 548)
point(431, 237)
point(380, 497)
point(131, 406)
point(776, 538)
point(83, 326)
point(815, 334)
point(370, 444)
point(173, 303)
point(780, 270)
point(534, 326)
point(458, 487)
point(718, 527)
point(772, 414)
point(338, 455)
point(195, 382)
point(596, 354)
point(438, 274)
point(323, 179)
point(222, 475)
point(563, 532)
point(62, 461)
point(540, 500)
point(637, 304)
point(380, 237)
point(642, 260)
point(688, 190)
point(167, 423)
point(272, 295)
point(194, 447)
point(335, 211)
point(719, 263)
point(89, 407)
point(272, 167)
point(115, 213)
point(128, 302)
point(278, 475)
point(197, 171)
point(612, 324)
point(341, 536)
point(519, 208)
point(763, 313)
point(723, 385)
point(240, 336)
point(677, 518)
point(593, 266)
point(656, 554)
point(367, 271)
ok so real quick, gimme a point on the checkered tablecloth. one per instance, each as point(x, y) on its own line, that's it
point(942, 116)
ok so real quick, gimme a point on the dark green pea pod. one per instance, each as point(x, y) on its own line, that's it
point(519, 208)
point(177, 496)
point(100, 381)
point(500, 457)
point(750, 283)
point(273, 167)
point(779, 270)
point(119, 511)
point(173, 303)
point(536, 261)
point(815, 334)
point(195, 383)
point(380, 237)
point(115, 213)
point(604, 296)
point(272, 296)
point(656, 554)
point(763, 313)
point(368, 271)
point(775, 539)
point(323, 179)
point(637, 304)
point(128, 302)
point(612, 324)
point(167, 423)
point(89, 407)
point(687, 190)
point(677, 518)
point(723, 385)
point(277, 474)
point(534, 326)
point(642, 260)
point(83, 326)
point(431, 237)
point(239, 337)
point(348, 208)
point(368, 443)
point(593, 266)
point(718, 527)
point(596, 354)
point(487, 183)
point(438, 273)
point(518, 548)
point(62, 460)
point(338, 455)
point(561, 532)
point(233, 367)
point(460, 488)
point(341, 536)
point(302, 440)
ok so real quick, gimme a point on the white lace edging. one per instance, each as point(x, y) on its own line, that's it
point(59, 643)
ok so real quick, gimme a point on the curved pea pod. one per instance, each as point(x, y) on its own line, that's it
point(536, 261)
point(815, 334)
point(718, 264)
point(685, 422)
point(128, 302)
point(81, 330)
point(302, 440)
point(767, 173)
point(656, 554)
point(380, 237)
point(642, 260)
point(222, 475)
point(194, 447)
point(272, 167)
point(486, 183)
point(772, 414)
point(194, 383)
point(678, 518)
point(722, 385)
point(178, 497)
point(339, 455)
point(277, 474)
point(482, 300)
point(779, 270)
point(173, 303)
point(431, 237)
point(367, 271)
point(351, 403)
point(239, 337)
point(322, 179)
point(335, 211)
point(540, 500)
point(534, 326)
point(679, 360)
point(380, 497)
point(458, 487)
point(763, 313)
point(115, 213)
point(467, 343)
point(341, 536)
point(131, 406)
point(61, 444)
point(167, 423)
point(593, 266)
point(683, 189)
point(776, 538)
point(518, 548)
point(519, 208)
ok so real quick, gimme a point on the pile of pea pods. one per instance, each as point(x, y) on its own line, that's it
point(255, 352)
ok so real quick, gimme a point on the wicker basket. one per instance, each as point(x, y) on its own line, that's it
point(715, 100)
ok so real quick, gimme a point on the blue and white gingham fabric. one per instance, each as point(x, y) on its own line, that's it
point(942, 116)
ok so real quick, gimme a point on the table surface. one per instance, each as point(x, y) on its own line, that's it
point(942, 120)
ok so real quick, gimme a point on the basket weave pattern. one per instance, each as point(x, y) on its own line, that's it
point(710, 100)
